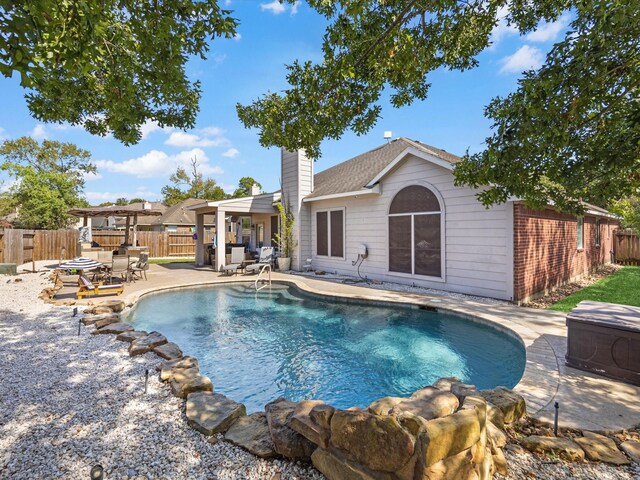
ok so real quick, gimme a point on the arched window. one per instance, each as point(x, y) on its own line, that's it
point(414, 232)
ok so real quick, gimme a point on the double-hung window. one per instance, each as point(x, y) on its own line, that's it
point(330, 233)
point(580, 233)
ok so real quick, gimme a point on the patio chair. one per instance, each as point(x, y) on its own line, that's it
point(139, 268)
point(121, 266)
point(265, 259)
point(237, 257)
point(88, 288)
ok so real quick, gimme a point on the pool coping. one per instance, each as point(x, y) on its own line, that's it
point(545, 379)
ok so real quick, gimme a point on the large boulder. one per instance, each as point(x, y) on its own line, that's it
point(448, 436)
point(184, 382)
point(496, 436)
point(91, 319)
point(316, 429)
point(383, 406)
point(114, 329)
point(463, 390)
point(379, 442)
point(252, 434)
point(335, 465)
point(168, 351)
point(456, 467)
point(212, 413)
point(511, 404)
point(143, 345)
point(428, 403)
point(445, 383)
point(562, 447)
point(599, 448)
point(287, 441)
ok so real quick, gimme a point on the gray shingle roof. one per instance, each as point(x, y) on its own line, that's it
point(357, 172)
point(179, 214)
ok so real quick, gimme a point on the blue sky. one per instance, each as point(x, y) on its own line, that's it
point(240, 70)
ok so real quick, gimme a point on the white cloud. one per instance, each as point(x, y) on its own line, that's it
point(151, 126)
point(189, 140)
point(212, 131)
point(294, 7)
point(502, 29)
point(39, 132)
point(141, 192)
point(88, 177)
point(524, 58)
point(231, 153)
point(237, 37)
point(157, 164)
point(548, 31)
point(274, 7)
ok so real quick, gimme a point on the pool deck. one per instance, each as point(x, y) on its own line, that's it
point(587, 401)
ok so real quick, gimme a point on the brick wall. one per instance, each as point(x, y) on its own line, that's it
point(545, 249)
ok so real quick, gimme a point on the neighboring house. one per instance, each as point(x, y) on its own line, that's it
point(178, 218)
point(115, 222)
point(399, 203)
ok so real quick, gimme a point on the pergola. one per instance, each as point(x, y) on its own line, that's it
point(126, 211)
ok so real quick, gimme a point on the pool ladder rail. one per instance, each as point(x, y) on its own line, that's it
point(266, 282)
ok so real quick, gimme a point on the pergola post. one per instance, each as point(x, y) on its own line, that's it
point(199, 239)
point(127, 226)
point(135, 230)
point(221, 259)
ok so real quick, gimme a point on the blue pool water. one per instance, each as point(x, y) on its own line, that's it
point(256, 347)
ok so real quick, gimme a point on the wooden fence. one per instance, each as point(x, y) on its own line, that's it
point(161, 244)
point(627, 248)
point(21, 246)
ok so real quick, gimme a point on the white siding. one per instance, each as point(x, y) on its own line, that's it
point(297, 183)
point(476, 240)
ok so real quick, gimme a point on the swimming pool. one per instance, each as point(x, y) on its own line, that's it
point(257, 346)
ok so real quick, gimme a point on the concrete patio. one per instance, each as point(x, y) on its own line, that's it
point(587, 401)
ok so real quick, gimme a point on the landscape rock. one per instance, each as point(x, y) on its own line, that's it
point(632, 448)
point(103, 322)
point(168, 351)
point(463, 390)
point(334, 465)
point(459, 467)
point(142, 345)
point(512, 405)
point(376, 441)
point(428, 403)
point(167, 369)
point(322, 414)
point(99, 310)
point(113, 304)
point(91, 319)
point(562, 447)
point(131, 336)
point(113, 328)
point(287, 441)
point(383, 406)
point(212, 413)
point(500, 462)
point(599, 448)
point(302, 423)
point(496, 436)
point(445, 383)
point(186, 381)
point(252, 433)
point(448, 436)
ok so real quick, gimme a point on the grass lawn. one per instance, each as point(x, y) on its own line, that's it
point(161, 261)
point(621, 287)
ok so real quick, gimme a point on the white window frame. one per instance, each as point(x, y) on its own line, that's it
point(580, 233)
point(344, 232)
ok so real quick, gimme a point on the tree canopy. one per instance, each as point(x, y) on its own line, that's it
point(190, 185)
point(570, 132)
point(48, 180)
point(110, 65)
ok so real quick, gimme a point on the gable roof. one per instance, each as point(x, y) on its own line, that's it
point(178, 214)
point(355, 174)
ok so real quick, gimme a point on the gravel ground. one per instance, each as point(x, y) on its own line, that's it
point(68, 403)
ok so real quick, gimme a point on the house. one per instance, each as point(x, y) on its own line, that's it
point(394, 214)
